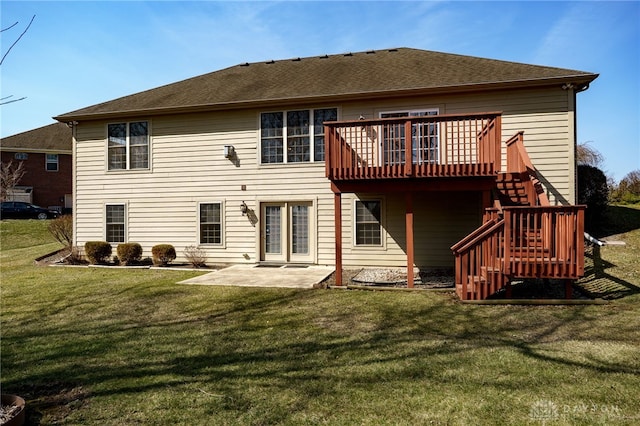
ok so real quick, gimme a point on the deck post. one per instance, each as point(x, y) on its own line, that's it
point(408, 149)
point(568, 289)
point(337, 210)
point(498, 144)
point(409, 237)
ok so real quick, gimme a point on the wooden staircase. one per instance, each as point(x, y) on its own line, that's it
point(522, 235)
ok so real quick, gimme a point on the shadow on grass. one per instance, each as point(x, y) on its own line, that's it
point(597, 283)
point(618, 220)
point(251, 345)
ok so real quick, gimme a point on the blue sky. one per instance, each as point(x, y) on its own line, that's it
point(78, 54)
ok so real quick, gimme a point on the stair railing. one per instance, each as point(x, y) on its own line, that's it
point(535, 241)
point(478, 268)
point(518, 161)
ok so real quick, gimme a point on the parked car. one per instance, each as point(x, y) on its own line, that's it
point(21, 210)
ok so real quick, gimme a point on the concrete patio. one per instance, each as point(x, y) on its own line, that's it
point(284, 276)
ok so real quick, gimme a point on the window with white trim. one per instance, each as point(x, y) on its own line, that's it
point(115, 223)
point(128, 145)
point(51, 162)
point(210, 219)
point(294, 136)
point(368, 223)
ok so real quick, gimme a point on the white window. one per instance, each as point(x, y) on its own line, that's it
point(115, 223)
point(51, 163)
point(368, 223)
point(299, 134)
point(210, 218)
point(424, 139)
point(128, 146)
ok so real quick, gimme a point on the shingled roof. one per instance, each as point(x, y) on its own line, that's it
point(54, 138)
point(360, 75)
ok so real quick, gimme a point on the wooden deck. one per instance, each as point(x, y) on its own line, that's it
point(522, 236)
point(526, 242)
point(466, 145)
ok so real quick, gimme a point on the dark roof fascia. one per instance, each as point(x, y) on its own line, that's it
point(581, 79)
point(35, 150)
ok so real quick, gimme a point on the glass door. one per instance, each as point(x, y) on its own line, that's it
point(286, 232)
point(272, 235)
point(424, 139)
point(300, 224)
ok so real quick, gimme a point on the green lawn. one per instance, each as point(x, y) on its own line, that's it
point(125, 347)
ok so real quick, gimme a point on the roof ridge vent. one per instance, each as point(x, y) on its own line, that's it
point(270, 62)
point(348, 54)
point(369, 52)
point(392, 50)
point(296, 59)
point(324, 57)
point(246, 64)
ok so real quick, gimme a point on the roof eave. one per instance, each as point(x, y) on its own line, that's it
point(581, 80)
point(36, 150)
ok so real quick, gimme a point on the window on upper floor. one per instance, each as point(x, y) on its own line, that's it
point(115, 223)
point(294, 136)
point(21, 156)
point(51, 162)
point(128, 146)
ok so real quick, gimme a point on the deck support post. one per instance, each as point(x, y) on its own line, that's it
point(568, 289)
point(409, 237)
point(486, 200)
point(337, 210)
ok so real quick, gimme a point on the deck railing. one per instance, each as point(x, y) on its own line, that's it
point(544, 241)
point(528, 242)
point(440, 146)
point(478, 269)
point(518, 161)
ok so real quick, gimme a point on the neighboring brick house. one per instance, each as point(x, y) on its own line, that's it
point(47, 156)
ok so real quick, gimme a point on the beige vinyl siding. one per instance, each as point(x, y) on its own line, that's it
point(440, 220)
point(545, 115)
point(187, 167)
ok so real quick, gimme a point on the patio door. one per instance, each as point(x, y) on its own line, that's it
point(286, 232)
point(424, 139)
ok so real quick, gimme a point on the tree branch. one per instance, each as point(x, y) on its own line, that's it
point(12, 100)
point(9, 27)
point(17, 40)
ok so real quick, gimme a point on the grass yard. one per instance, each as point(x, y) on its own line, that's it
point(130, 347)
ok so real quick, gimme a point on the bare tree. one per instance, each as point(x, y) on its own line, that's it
point(62, 230)
point(4, 100)
point(10, 175)
point(588, 156)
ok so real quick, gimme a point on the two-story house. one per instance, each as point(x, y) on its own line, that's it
point(386, 158)
point(45, 153)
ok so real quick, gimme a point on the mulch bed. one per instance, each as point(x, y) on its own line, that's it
point(393, 278)
point(443, 279)
point(57, 256)
point(397, 277)
point(62, 257)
